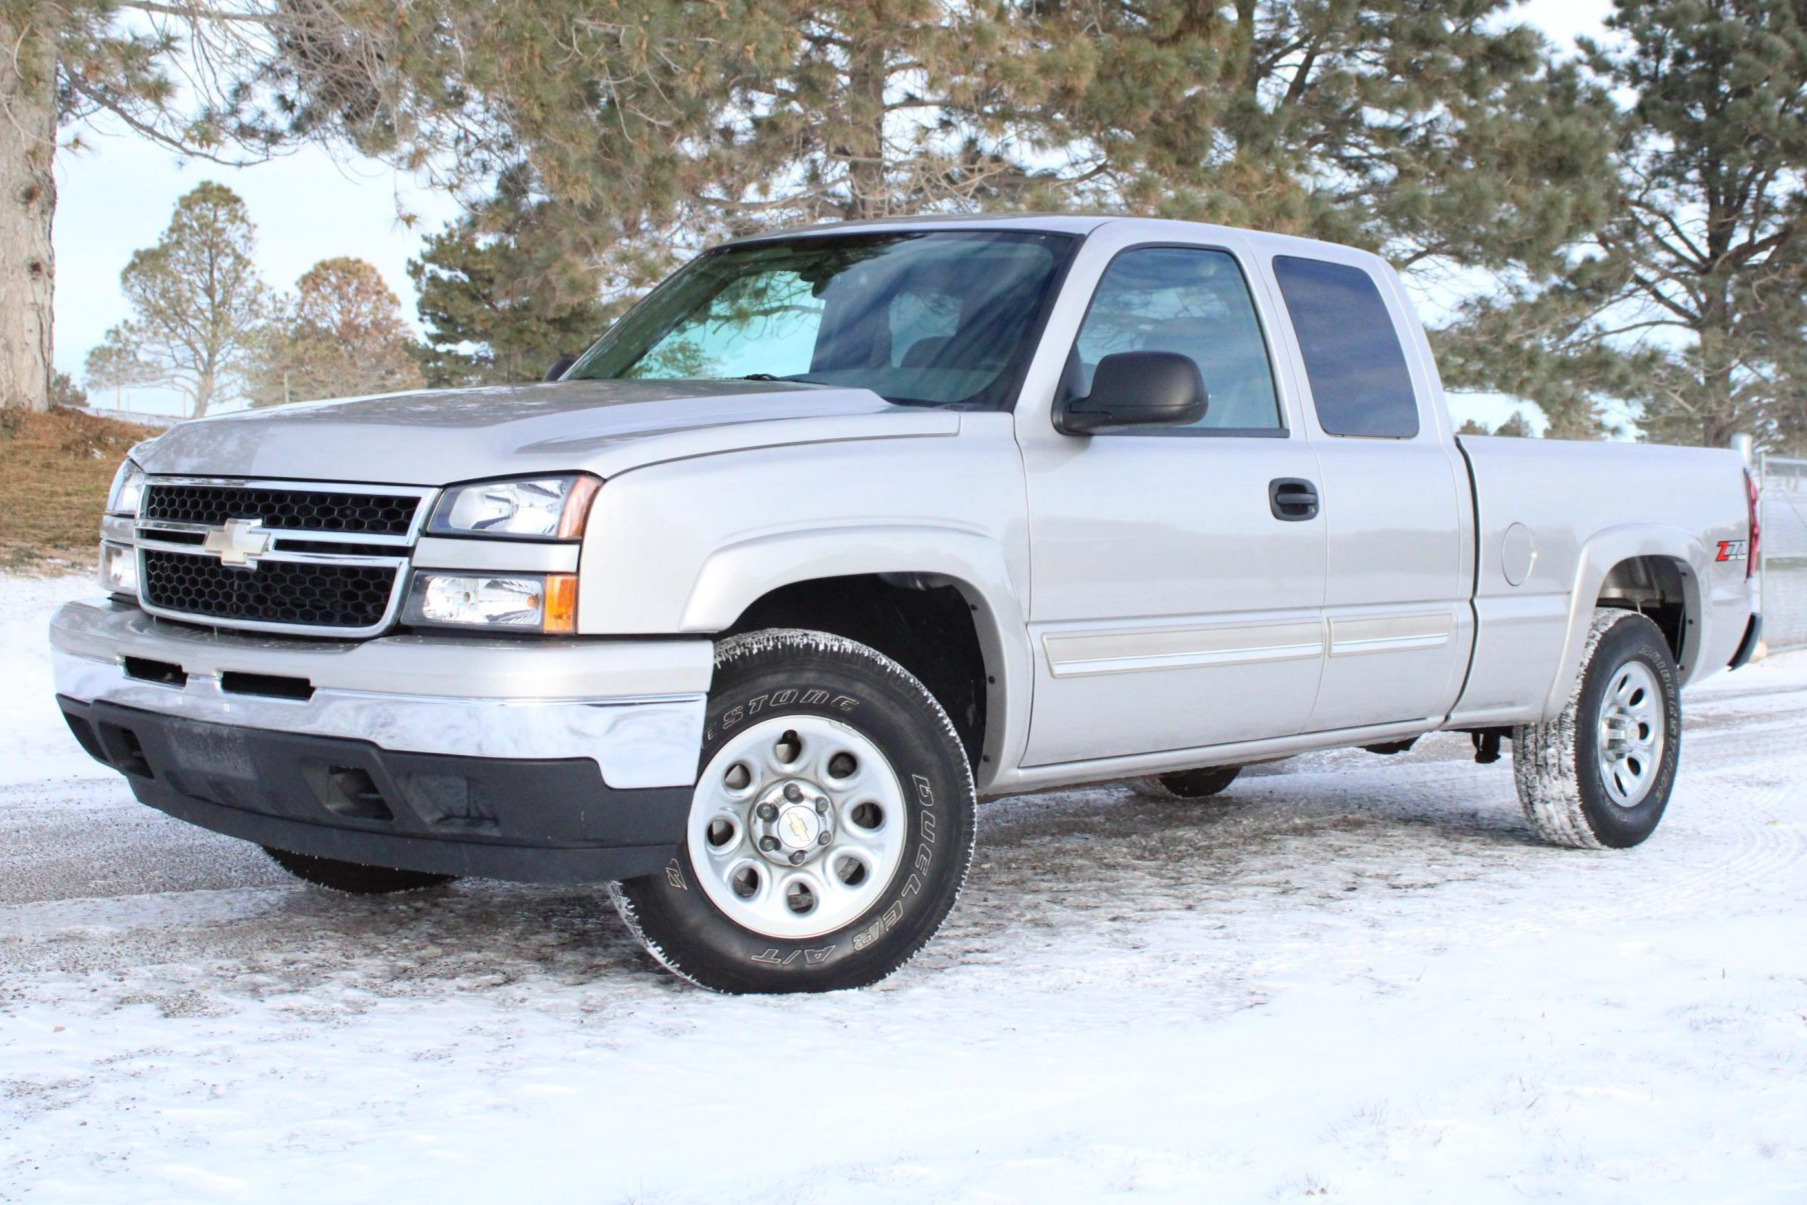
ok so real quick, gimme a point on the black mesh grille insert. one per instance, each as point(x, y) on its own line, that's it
point(323, 596)
point(283, 509)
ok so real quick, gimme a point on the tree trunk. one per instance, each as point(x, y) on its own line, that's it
point(27, 205)
point(867, 79)
point(1718, 377)
point(203, 395)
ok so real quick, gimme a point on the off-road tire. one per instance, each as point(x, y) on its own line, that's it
point(1556, 764)
point(766, 675)
point(354, 878)
point(1187, 784)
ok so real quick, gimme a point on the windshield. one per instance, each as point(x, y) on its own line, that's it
point(918, 318)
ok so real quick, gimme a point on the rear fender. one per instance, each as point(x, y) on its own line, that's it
point(1598, 556)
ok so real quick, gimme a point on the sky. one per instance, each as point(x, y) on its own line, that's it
point(116, 194)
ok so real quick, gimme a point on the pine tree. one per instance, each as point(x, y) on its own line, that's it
point(1429, 131)
point(501, 298)
point(653, 128)
point(198, 305)
point(1689, 300)
point(1712, 246)
point(1437, 133)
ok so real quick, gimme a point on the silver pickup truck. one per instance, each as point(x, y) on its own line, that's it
point(840, 531)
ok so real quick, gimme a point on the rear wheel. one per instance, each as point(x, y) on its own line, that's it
point(1599, 775)
point(352, 877)
point(1187, 784)
point(830, 830)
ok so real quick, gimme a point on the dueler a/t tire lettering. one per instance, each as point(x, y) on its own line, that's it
point(822, 683)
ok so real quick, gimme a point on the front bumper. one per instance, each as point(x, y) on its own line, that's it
point(542, 761)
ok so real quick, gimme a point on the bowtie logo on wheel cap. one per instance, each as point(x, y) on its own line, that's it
point(238, 542)
point(799, 827)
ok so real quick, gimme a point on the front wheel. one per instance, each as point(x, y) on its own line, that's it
point(1599, 775)
point(831, 826)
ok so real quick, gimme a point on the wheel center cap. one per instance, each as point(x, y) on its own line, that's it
point(792, 822)
point(798, 826)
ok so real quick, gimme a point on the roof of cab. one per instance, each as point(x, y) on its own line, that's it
point(1052, 223)
point(1060, 223)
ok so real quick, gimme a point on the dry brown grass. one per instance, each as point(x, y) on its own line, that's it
point(54, 472)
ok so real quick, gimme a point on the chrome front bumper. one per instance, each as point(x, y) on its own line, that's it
point(634, 707)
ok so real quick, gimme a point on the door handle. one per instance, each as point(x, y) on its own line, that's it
point(1293, 499)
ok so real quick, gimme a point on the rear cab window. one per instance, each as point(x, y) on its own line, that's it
point(1360, 383)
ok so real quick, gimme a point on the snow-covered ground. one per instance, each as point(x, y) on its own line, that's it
point(1354, 978)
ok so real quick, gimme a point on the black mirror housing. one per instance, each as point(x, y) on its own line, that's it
point(1137, 389)
point(559, 367)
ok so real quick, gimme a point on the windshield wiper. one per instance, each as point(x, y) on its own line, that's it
point(796, 378)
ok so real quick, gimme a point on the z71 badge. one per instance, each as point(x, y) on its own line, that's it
point(1733, 550)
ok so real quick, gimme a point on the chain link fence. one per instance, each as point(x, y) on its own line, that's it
point(1784, 565)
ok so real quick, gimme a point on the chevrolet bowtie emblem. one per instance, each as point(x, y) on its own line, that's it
point(238, 541)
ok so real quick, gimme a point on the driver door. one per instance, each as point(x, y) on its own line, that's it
point(1177, 592)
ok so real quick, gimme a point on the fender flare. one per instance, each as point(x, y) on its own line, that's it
point(1598, 556)
point(738, 574)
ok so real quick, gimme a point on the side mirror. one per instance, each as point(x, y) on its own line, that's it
point(559, 367)
point(1136, 388)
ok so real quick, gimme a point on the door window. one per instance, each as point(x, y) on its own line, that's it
point(1359, 380)
point(1195, 302)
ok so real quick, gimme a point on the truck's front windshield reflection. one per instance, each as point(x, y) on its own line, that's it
point(918, 318)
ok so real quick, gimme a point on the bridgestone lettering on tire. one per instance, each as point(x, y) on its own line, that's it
point(1599, 775)
point(831, 827)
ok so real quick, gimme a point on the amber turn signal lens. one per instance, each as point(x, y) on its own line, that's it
point(561, 604)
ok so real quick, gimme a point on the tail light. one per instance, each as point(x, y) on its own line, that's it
point(1756, 541)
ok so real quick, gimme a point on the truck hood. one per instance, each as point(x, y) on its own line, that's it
point(436, 437)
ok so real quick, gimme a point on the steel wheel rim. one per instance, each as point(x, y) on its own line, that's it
point(782, 841)
point(1633, 731)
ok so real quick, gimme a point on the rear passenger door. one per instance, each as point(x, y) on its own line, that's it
point(1397, 506)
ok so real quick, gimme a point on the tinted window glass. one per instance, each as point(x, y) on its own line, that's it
point(1358, 375)
point(1193, 302)
point(938, 318)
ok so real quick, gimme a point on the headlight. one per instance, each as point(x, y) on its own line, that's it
point(509, 602)
point(119, 569)
point(127, 491)
point(528, 508)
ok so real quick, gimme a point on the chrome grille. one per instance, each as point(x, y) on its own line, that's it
point(283, 508)
point(325, 559)
point(293, 593)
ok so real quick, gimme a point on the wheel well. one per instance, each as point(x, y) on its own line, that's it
point(923, 622)
point(1653, 586)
